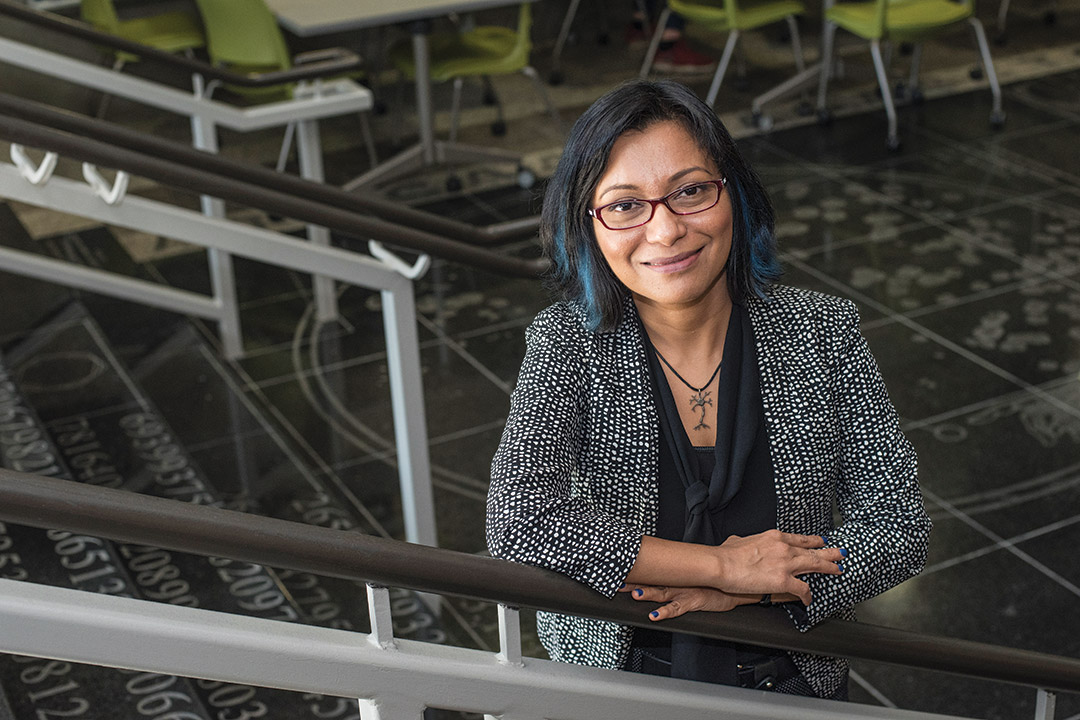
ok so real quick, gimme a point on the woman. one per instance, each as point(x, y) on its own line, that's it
point(682, 426)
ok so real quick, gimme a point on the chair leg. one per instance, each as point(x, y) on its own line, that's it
point(718, 77)
point(997, 117)
point(1003, 10)
point(828, 37)
point(893, 140)
point(560, 41)
point(654, 44)
point(530, 72)
point(455, 108)
point(796, 43)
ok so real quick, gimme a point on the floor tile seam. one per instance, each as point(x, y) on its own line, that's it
point(465, 355)
point(944, 342)
point(855, 241)
point(996, 546)
point(1003, 399)
point(259, 413)
point(981, 151)
point(1018, 493)
point(432, 442)
point(227, 439)
point(976, 297)
point(1022, 261)
point(1006, 545)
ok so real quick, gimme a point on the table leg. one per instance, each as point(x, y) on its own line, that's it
point(422, 61)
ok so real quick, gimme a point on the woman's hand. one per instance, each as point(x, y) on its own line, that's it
point(770, 562)
point(679, 601)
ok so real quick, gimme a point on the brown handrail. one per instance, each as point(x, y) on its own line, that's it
point(129, 517)
point(124, 137)
point(199, 180)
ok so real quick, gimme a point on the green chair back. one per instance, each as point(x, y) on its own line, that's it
point(101, 15)
point(244, 36)
point(170, 31)
point(899, 20)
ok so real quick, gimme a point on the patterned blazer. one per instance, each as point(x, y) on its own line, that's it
point(574, 483)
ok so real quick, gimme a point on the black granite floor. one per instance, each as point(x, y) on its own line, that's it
point(962, 251)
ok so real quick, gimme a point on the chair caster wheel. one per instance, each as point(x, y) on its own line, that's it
point(917, 97)
point(453, 183)
point(976, 73)
point(1050, 17)
point(900, 91)
point(764, 123)
point(555, 78)
point(489, 98)
point(526, 178)
point(498, 128)
point(892, 144)
point(824, 117)
point(1000, 40)
point(997, 119)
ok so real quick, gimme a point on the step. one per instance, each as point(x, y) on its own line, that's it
point(155, 574)
point(52, 688)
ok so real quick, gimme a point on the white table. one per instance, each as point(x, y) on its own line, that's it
point(308, 18)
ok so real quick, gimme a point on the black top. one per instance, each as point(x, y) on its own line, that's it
point(710, 493)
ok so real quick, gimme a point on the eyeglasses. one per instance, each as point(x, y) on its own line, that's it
point(632, 213)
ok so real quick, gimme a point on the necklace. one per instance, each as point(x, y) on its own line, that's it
point(700, 398)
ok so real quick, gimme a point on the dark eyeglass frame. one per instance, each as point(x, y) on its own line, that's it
point(598, 213)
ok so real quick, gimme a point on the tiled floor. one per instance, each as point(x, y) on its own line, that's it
point(962, 252)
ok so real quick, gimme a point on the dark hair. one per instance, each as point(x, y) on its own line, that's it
point(579, 271)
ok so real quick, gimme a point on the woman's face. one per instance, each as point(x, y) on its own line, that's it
point(673, 260)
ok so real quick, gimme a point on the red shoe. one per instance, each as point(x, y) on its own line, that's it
point(681, 58)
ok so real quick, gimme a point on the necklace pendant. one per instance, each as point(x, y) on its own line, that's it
point(698, 401)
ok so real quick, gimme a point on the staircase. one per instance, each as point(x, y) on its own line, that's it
point(79, 375)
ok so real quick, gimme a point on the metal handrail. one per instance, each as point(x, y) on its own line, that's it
point(345, 63)
point(320, 69)
point(248, 172)
point(195, 177)
point(129, 517)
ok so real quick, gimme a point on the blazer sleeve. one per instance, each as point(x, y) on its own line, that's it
point(884, 528)
point(535, 514)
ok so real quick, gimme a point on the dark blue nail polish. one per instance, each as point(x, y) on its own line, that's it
point(840, 566)
point(654, 614)
point(622, 585)
point(824, 539)
point(843, 551)
point(639, 592)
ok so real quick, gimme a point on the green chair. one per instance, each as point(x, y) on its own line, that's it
point(480, 52)
point(902, 21)
point(733, 18)
point(243, 36)
point(171, 31)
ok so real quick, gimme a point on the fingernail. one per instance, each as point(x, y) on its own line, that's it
point(843, 551)
point(654, 614)
point(824, 539)
point(639, 592)
point(622, 585)
point(839, 565)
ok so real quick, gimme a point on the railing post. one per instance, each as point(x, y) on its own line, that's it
point(1045, 705)
point(309, 150)
point(509, 635)
point(390, 708)
point(222, 278)
point(382, 621)
point(410, 423)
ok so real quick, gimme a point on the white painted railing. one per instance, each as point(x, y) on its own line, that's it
point(392, 679)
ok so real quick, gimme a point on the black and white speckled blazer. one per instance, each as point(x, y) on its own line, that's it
point(574, 483)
